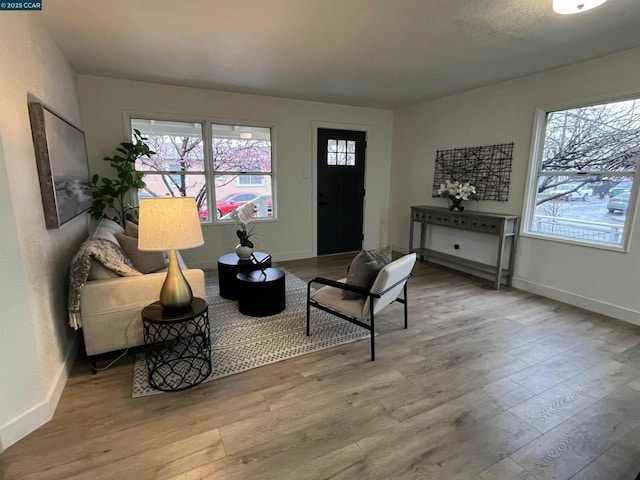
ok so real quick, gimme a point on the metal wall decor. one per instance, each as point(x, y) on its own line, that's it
point(488, 168)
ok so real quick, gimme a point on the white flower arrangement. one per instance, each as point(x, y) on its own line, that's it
point(457, 190)
point(242, 216)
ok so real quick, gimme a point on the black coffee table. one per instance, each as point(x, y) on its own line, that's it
point(230, 265)
point(261, 293)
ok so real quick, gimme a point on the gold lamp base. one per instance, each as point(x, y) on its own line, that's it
point(176, 292)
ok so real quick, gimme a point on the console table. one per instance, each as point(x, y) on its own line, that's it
point(462, 232)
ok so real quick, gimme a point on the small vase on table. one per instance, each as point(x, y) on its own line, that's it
point(244, 252)
point(455, 204)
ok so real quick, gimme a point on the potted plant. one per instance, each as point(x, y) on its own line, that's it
point(110, 196)
point(242, 217)
point(456, 193)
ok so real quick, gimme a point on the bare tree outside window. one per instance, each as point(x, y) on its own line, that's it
point(588, 154)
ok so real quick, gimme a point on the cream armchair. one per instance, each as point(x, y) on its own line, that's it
point(391, 279)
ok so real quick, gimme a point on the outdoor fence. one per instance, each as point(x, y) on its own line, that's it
point(579, 229)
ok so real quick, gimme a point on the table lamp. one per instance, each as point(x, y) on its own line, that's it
point(170, 223)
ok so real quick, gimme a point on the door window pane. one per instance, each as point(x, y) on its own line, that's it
point(341, 152)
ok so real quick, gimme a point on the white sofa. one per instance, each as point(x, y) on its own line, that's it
point(111, 305)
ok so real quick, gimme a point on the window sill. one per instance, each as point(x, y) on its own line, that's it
point(212, 223)
point(569, 241)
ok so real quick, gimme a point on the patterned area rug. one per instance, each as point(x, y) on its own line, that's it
point(240, 342)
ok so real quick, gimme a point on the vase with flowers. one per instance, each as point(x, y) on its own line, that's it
point(456, 193)
point(242, 216)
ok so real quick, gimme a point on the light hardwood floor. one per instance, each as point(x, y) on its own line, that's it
point(483, 385)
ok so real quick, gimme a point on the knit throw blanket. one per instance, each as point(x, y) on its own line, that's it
point(104, 252)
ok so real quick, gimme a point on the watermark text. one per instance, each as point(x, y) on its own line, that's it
point(21, 5)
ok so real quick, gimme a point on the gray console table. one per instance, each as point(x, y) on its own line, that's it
point(500, 229)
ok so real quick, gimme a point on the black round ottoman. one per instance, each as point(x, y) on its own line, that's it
point(230, 265)
point(261, 293)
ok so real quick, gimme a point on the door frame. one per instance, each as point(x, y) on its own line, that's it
point(315, 125)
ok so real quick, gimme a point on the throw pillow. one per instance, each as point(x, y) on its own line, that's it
point(131, 229)
point(145, 262)
point(107, 229)
point(362, 272)
point(383, 255)
point(364, 269)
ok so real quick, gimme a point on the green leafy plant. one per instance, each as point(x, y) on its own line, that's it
point(110, 195)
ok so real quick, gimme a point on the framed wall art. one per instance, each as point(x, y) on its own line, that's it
point(63, 167)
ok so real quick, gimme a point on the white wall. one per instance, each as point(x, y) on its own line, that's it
point(36, 345)
point(103, 101)
point(600, 280)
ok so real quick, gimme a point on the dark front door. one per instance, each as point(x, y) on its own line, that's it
point(341, 156)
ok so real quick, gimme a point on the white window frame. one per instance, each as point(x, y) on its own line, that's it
point(271, 173)
point(207, 139)
point(534, 172)
point(171, 173)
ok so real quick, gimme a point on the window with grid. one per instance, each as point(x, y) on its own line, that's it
point(242, 167)
point(240, 170)
point(583, 180)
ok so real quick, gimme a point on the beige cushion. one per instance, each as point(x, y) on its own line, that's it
point(99, 272)
point(145, 262)
point(131, 229)
point(364, 268)
point(111, 308)
point(107, 229)
point(332, 298)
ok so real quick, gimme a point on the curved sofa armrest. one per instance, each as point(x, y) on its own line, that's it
point(111, 308)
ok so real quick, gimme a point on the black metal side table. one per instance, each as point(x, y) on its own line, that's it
point(177, 345)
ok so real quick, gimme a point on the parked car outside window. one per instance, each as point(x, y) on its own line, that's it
point(619, 203)
point(621, 187)
point(573, 191)
point(229, 203)
point(233, 201)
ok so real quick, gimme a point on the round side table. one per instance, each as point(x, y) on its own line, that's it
point(177, 345)
point(261, 293)
point(230, 265)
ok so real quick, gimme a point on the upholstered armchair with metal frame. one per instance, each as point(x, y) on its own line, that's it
point(391, 279)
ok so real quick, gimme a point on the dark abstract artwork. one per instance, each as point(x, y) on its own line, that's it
point(488, 168)
point(63, 169)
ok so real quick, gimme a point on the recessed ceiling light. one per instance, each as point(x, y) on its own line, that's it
point(566, 7)
point(246, 135)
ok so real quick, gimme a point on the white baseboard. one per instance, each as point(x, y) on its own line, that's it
point(598, 306)
point(35, 417)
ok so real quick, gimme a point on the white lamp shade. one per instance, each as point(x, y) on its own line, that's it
point(169, 223)
point(566, 7)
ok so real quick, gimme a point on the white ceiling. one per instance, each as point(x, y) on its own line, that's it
point(377, 53)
